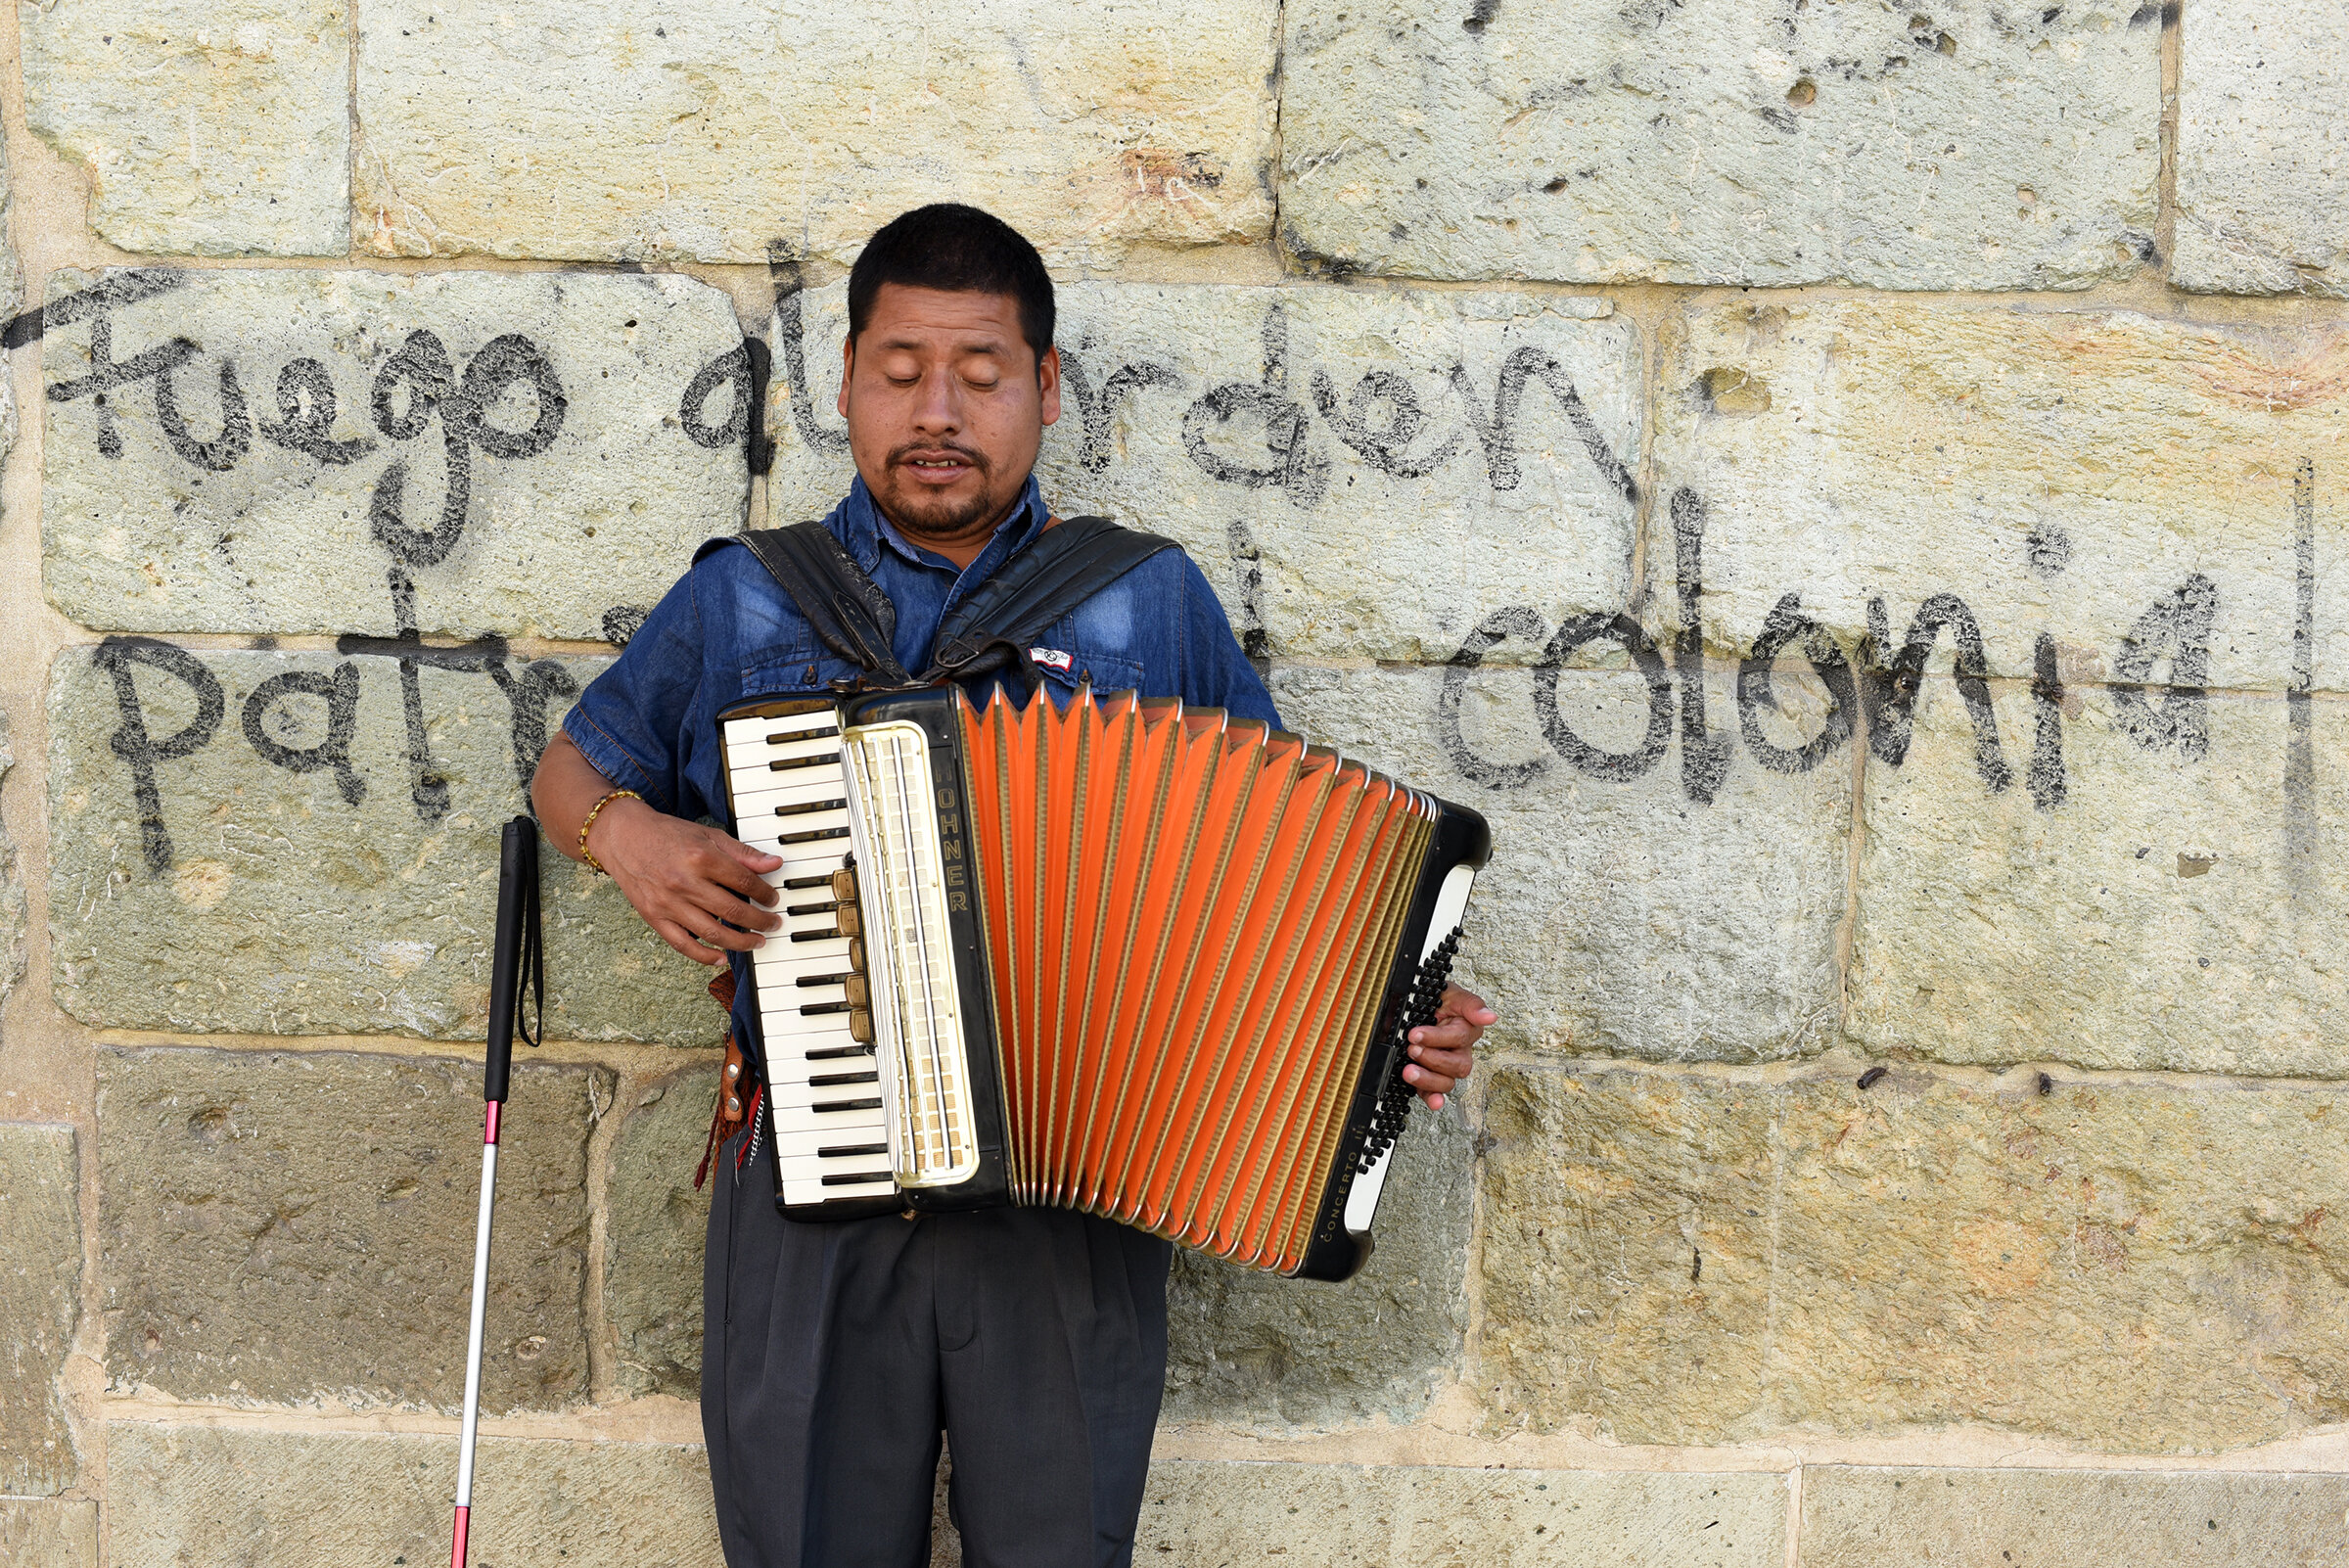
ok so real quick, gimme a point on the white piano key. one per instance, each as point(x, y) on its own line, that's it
point(753, 767)
point(787, 828)
point(796, 958)
point(795, 1145)
point(800, 864)
point(787, 788)
point(779, 1014)
point(781, 736)
point(753, 731)
point(787, 1044)
point(798, 1071)
point(804, 1118)
point(813, 1166)
point(755, 800)
point(817, 1096)
point(803, 1192)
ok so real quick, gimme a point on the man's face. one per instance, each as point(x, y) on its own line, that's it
point(946, 407)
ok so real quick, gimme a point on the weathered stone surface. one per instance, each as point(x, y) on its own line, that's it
point(741, 131)
point(2180, 909)
point(2065, 473)
point(530, 463)
point(1978, 146)
point(49, 1532)
point(1618, 915)
point(1246, 1346)
point(206, 128)
point(290, 1226)
point(1864, 1518)
point(183, 1494)
point(251, 891)
point(1698, 1257)
point(2263, 152)
point(654, 1227)
point(1313, 449)
point(1329, 1514)
point(40, 1301)
point(12, 890)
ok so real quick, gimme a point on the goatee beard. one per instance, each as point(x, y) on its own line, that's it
point(927, 517)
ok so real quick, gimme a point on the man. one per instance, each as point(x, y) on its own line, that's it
point(833, 1354)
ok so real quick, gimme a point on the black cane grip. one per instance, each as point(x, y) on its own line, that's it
point(517, 913)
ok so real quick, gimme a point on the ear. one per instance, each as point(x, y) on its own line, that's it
point(847, 368)
point(1047, 380)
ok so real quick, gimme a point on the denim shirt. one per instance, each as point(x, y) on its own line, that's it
point(729, 633)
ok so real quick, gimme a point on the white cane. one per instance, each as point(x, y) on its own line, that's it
point(516, 960)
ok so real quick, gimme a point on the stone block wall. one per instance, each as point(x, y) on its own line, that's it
point(1858, 494)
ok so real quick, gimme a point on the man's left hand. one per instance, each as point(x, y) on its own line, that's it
point(1440, 1051)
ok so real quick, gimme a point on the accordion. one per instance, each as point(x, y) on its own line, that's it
point(1124, 957)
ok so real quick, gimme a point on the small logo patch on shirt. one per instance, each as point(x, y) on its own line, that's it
point(1050, 657)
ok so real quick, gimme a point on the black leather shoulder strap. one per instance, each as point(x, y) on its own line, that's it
point(1067, 564)
point(845, 606)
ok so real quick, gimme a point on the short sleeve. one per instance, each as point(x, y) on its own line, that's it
point(631, 719)
point(1216, 673)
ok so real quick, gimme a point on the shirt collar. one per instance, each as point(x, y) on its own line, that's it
point(866, 531)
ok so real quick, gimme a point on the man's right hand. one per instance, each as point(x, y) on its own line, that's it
point(691, 883)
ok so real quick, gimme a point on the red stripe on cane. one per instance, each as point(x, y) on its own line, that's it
point(490, 1125)
point(457, 1554)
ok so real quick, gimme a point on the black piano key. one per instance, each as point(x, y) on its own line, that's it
point(815, 936)
point(786, 763)
point(836, 1053)
point(805, 806)
point(791, 735)
point(833, 1079)
point(816, 836)
point(844, 1150)
point(821, 980)
point(819, 1009)
point(852, 1180)
point(873, 1104)
point(796, 882)
point(812, 909)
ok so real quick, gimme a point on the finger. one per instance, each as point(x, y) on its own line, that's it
point(1427, 1080)
point(736, 913)
point(758, 860)
point(1458, 1003)
point(1446, 1035)
point(714, 934)
point(730, 871)
point(1454, 1064)
point(679, 938)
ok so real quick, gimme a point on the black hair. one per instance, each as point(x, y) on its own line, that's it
point(961, 249)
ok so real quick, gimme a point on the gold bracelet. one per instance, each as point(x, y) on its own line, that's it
point(597, 810)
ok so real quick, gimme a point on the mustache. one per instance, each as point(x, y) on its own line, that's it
point(976, 459)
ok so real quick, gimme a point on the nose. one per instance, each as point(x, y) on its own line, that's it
point(938, 405)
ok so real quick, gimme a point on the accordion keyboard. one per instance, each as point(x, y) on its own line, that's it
point(823, 1091)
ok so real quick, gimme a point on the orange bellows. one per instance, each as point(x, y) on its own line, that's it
point(1191, 923)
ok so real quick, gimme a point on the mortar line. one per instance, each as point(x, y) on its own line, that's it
point(603, 1345)
point(1794, 1517)
point(618, 1055)
point(2165, 189)
point(1842, 1061)
point(30, 1024)
point(1847, 924)
point(673, 1421)
point(1648, 325)
point(351, 122)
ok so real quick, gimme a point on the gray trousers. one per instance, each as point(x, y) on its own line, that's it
point(833, 1356)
